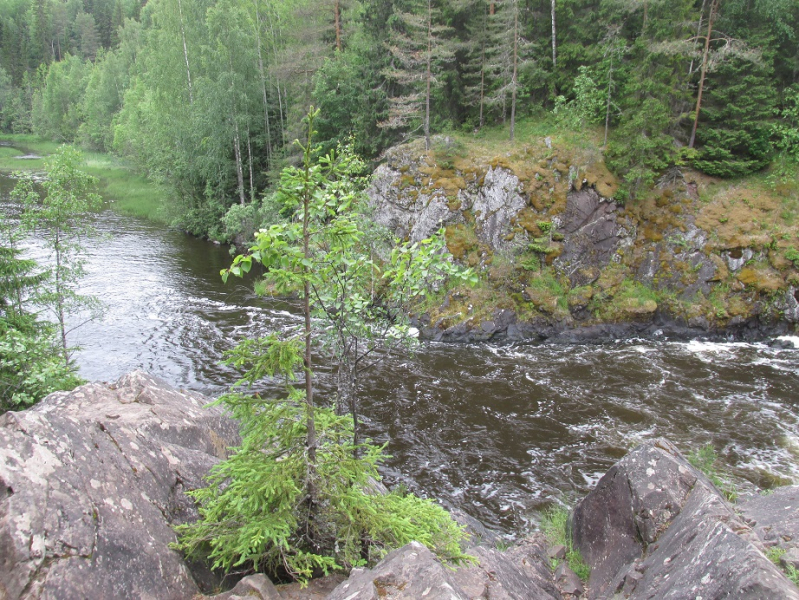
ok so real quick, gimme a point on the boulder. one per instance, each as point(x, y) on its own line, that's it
point(592, 235)
point(410, 572)
point(520, 573)
point(91, 482)
point(655, 527)
point(774, 517)
point(413, 572)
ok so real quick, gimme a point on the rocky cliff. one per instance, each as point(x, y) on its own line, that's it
point(559, 256)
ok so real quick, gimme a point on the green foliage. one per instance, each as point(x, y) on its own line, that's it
point(640, 149)
point(30, 366)
point(61, 217)
point(588, 105)
point(786, 130)
point(555, 526)
point(792, 254)
point(297, 496)
point(254, 513)
point(706, 460)
point(30, 362)
point(735, 124)
point(774, 554)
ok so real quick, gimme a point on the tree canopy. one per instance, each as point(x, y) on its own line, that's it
point(205, 95)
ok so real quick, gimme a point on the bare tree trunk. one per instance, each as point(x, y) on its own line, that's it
point(262, 74)
point(515, 67)
point(310, 440)
point(607, 103)
point(646, 15)
point(337, 22)
point(698, 33)
point(429, 60)
point(249, 160)
point(185, 52)
point(554, 39)
point(237, 152)
point(713, 12)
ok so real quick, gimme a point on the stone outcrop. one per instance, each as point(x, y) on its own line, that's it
point(541, 226)
point(591, 235)
point(91, 482)
point(413, 572)
point(654, 527)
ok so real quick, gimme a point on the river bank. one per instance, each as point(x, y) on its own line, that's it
point(122, 188)
point(559, 257)
point(506, 430)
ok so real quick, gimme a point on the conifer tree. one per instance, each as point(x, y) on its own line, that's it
point(418, 49)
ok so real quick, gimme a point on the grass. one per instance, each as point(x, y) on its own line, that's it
point(774, 554)
point(124, 190)
point(554, 525)
point(706, 460)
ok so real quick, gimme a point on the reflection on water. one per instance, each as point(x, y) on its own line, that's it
point(498, 431)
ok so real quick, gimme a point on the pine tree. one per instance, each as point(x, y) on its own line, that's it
point(419, 50)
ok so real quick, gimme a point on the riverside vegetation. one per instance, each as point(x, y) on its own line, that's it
point(685, 114)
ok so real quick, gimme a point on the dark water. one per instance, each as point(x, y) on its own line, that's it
point(500, 432)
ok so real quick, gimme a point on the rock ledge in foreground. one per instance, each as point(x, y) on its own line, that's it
point(90, 483)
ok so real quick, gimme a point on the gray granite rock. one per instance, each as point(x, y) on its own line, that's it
point(413, 572)
point(520, 573)
point(632, 503)
point(91, 482)
point(253, 587)
point(656, 528)
point(774, 517)
point(705, 553)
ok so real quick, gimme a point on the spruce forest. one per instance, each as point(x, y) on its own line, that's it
point(207, 96)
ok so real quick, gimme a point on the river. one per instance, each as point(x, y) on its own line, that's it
point(498, 431)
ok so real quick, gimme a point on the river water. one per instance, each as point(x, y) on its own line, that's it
point(500, 432)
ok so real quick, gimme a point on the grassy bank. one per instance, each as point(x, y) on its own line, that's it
point(122, 188)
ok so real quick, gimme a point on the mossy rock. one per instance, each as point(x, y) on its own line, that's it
point(461, 240)
point(638, 307)
point(528, 219)
point(543, 300)
point(722, 272)
point(580, 297)
point(763, 279)
point(777, 260)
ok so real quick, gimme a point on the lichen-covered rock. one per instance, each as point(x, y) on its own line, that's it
point(413, 572)
point(410, 572)
point(592, 234)
point(654, 527)
point(520, 573)
point(252, 587)
point(708, 552)
point(90, 483)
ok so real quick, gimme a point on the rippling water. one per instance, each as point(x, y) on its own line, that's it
point(500, 432)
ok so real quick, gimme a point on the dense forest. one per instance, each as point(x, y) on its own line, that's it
point(207, 95)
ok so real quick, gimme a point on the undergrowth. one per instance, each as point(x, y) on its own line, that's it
point(555, 526)
point(706, 460)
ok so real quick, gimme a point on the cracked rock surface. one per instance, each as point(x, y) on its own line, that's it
point(654, 527)
point(91, 482)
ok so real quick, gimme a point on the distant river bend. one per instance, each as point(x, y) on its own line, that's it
point(499, 432)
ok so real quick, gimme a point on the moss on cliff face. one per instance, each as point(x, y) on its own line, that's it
point(708, 253)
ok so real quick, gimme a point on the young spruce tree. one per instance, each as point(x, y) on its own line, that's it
point(297, 497)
